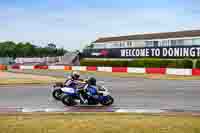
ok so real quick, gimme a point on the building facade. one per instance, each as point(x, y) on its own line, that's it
point(169, 44)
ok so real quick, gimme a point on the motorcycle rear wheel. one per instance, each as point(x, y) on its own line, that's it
point(68, 100)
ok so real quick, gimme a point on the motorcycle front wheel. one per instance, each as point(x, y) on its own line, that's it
point(57, 93)
point(108, 101)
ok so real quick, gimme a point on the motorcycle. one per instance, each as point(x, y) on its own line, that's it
point(57, 92)
point(95, 96)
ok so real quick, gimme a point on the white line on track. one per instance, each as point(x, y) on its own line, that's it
point(140, 110)
point(106, 110)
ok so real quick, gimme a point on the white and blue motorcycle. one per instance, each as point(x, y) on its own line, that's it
point(94, 96)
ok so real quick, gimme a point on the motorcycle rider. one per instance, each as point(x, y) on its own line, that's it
point(73, 79)
point(90, 83)
point(74, 82)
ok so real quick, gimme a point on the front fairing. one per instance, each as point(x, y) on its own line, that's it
point(103, 90)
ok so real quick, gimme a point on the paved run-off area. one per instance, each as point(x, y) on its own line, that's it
point(131, 93)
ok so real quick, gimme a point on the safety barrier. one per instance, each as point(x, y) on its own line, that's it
point(3, 67)
point(174, 71)
point(67, 68)
point(56, 67)
point(155, 70)
point(196, 72)
point(40, 67)
point(119, 69)
point(104, 69)
point(169, 71)
point(92, 68)
point(135, 70)
point(79, 68)
point(15, 66)
point(27, 67)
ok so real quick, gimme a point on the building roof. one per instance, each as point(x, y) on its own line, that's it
point(164, 35)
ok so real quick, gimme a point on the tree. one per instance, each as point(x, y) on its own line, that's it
point(51, 45)
point(89, 46)
point(11, 49)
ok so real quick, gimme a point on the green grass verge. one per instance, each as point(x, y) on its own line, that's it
point(98, 123)
point(28, 81)
point(41, 72)
point(9, 78)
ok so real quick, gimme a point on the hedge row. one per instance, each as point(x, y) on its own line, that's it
point(104, 63)
point(141, 63)
point(198, 64)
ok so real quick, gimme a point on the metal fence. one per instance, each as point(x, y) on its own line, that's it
point(38, 60)
point(6, 60)
point(67, 59)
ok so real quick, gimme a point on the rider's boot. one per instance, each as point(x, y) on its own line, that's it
point(82, 100)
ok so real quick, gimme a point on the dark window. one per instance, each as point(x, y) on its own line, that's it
point(148, 43)
point(155, 43)
point(173, 42)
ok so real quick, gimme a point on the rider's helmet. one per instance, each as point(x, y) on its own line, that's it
point(92, 81)
point(75, 75)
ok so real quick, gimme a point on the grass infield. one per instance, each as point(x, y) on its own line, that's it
point(7, 78)
point(98, 123)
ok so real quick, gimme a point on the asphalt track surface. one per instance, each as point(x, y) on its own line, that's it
point(130, 93)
